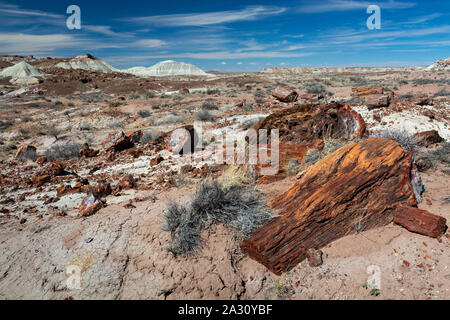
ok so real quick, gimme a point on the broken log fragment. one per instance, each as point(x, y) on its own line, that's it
point(420, 221)
point(357, 188)
point(285, 94)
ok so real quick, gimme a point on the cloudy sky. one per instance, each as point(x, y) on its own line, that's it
point(231, 35)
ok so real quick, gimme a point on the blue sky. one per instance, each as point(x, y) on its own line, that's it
point(231, 35)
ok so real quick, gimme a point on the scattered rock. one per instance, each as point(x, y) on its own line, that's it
point(314, 257)
point(25, 152)
point(428, 138)
point(117, 142)
point(127, 183)
point(365, 91)
point(90, 206)
point(377, 101)
point(285, 94)
point(420, 221)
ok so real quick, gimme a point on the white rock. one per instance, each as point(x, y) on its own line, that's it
point(167, 68)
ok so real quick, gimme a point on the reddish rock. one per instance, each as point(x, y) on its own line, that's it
point(87, 152)
point(116, 99)
point(57, 168)
point(102, 190)
point(310, 124)
point(355, 188)
point(134, 136)
point(314, 257)
point(428, 138)
point(127, 183)
point(117, 142)
point(184, 91)
point(64, 191)
point(365, 91)
point(39, 181)
point(90, 206)
point(420, 221)
point(41, 160)
point(285, 94)
point(377, 101)
point(156, 161)
point(25, 152)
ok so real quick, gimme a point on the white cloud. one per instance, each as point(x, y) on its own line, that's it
point(21, 43)
point(348, 5)
point(218, 55)
point(239, 63)
point(208, 18)
point(223, 63)
point(150, 43)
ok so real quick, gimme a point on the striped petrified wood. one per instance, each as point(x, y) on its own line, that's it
point(354, 189)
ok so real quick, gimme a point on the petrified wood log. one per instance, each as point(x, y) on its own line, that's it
point(285, 94)
point(307, 123)
point(354, 189)
point(420, 221)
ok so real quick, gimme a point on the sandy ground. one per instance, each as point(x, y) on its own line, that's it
point(127, 259)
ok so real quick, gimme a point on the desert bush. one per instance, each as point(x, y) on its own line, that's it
point(5, 124)
point(85, 127)
point(26, 119)
point(212, 91)
point(317, 88)
point(404, 138)
point(53, 132)
point(406, 96)
point(439, 155)
point(312, 156)
point(171, 119)
point(403, 82)
point(238, 176)
point(204, 115)
point(133, 96)
point(150, 136)
point(148, 95)
point(156, 107)
point(115, 104)
point(63, 152)
point(144, 113)
point(237, 208)
point(260, 94)
point(293, 167)
point(209, 106)
point(332, 145)
point(442, 93)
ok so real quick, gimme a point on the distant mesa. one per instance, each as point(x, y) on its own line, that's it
point(167, 68)
point(87, 62)
point(441, 65)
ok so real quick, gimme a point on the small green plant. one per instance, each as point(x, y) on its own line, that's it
point(312, 156)
point(204, 115)
point(293, 167)
point(144, 113)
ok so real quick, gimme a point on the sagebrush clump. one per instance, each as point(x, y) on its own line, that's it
point(237, 208)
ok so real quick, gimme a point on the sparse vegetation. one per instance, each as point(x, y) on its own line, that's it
point(293, 167)
point(204, 115)
point(209, 106)
point(404, 138)
point(63, 152)
point(144, 113)
point(236, 208)
point(312, 156)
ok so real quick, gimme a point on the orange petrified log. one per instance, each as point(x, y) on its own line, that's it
point(354, 189)
point(420, 221)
